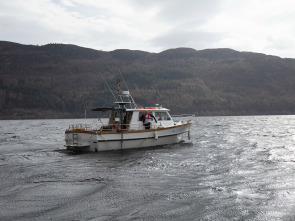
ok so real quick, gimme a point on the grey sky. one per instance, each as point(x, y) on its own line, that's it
point(265, 26)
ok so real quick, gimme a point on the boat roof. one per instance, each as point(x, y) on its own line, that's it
point(149, 109)
point(105, 109)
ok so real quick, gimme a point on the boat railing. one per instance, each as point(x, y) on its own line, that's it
point(111, 127)
point(79, 127)
point(121, 127)
point(128, 127)
point(115, 127)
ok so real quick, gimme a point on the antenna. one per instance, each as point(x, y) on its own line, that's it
point(108, 87)
point(124, 80)
point(118, 85)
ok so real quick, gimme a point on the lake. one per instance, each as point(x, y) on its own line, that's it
point(233, 168)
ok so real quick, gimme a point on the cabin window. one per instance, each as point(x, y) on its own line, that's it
point(140, 116)
point(116, 116)
point(162, 116)
point(127, 117)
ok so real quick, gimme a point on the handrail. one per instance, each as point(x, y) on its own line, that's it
point(113, 127)
point(80, 127)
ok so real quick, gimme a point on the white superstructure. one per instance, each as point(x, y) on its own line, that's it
point(126, 129)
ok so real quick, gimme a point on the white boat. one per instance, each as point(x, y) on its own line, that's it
point(125, 129)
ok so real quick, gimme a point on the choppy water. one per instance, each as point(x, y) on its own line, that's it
point(233, 168)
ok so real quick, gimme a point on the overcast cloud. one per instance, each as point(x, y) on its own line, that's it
point(265, 26)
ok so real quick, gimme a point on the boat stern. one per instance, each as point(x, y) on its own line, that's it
point(78, 137)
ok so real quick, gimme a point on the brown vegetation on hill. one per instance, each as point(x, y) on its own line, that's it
point(61, 81)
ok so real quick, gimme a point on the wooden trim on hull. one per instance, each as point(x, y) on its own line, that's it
point(124, 131)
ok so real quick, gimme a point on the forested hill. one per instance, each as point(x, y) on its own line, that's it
point(60, 81)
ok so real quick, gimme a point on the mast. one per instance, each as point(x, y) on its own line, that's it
point(127, 94)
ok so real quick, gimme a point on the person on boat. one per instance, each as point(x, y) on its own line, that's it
point(147, 120)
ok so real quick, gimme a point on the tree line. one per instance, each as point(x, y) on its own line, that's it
point(58, 81)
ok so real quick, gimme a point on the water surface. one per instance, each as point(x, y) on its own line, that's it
point(233, 168)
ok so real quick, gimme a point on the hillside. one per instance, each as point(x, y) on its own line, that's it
point(60, 81)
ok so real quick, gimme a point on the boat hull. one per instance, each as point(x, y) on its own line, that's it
point(99, 141)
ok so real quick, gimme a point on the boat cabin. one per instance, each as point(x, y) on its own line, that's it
point(122, 118)
point(133, 119)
